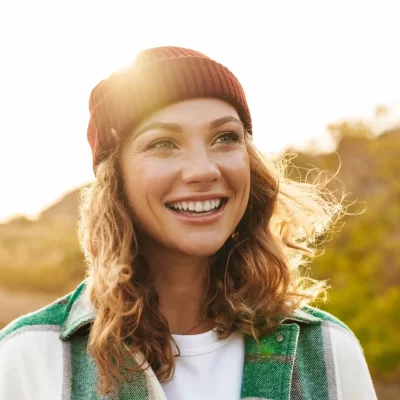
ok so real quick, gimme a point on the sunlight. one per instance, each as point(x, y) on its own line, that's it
point(296, 81)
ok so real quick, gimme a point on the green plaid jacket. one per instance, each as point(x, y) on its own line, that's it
point(296, 362)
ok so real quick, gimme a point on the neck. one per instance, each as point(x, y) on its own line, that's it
point(181, 284)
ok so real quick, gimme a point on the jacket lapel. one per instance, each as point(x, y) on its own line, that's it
point(268, 365)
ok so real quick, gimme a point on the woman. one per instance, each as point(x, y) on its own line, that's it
point(194, 243)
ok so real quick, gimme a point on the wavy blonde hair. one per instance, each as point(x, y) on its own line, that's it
point(255, 279)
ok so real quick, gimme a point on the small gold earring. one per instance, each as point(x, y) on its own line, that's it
point(235, 235)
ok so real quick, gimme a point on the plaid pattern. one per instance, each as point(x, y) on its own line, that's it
point(294, 363)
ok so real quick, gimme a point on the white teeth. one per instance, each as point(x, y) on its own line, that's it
point(198, 206)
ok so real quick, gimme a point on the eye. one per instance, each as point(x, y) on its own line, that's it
point(228, 137)
point(163, 144)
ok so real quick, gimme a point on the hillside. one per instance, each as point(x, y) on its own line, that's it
point(42, 255)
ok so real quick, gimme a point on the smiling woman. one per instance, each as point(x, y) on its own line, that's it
point(194, 244)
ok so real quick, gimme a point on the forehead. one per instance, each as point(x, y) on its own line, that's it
point(192, 112)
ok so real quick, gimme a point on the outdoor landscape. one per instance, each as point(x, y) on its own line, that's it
point(41, 260)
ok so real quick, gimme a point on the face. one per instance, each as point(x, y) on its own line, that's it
point(187, 175)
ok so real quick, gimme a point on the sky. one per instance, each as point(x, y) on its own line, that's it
point(303, 64)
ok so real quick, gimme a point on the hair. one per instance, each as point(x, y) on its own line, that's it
point(256, 279)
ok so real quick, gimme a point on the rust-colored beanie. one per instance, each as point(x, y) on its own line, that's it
point(159, 76)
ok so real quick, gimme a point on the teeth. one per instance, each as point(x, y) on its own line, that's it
point(198, 206)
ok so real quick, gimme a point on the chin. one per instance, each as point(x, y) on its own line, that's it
point(204, 249)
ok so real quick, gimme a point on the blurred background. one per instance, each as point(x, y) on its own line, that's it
point(322, 81)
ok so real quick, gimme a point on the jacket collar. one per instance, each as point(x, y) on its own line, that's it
point(302, 315)
point(81, 311)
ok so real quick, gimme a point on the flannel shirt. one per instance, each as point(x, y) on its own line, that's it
point(294, 363)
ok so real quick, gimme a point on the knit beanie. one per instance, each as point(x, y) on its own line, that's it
point(158, 77)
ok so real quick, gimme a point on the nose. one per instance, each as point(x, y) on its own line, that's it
point(200, 168)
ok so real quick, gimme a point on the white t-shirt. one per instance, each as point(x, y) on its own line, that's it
point(207, 368)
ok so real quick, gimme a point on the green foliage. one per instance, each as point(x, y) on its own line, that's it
point(362, 262)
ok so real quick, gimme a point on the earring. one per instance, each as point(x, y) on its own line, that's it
point(235, 235)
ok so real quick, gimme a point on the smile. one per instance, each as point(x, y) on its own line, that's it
point(198, 211)
point(190, 207)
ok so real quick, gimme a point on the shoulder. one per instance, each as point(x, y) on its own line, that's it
point(331, 329)
point(48, 319)
point(311, 319)
point(326, 317)
point(31, 351)
point(329, 336)
point(320, 328)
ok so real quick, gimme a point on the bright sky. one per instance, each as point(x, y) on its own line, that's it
point(303, 64)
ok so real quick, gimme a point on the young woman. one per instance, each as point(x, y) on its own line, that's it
point(194, 244)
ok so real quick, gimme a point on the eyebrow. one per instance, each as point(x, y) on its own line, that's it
point(168, 126)
point(221, 121)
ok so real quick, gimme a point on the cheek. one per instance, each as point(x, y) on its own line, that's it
point(237, 172)
point(146, 180)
